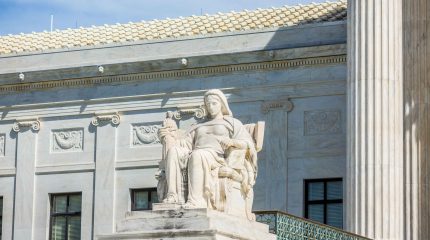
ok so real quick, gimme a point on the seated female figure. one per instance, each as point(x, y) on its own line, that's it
point(203, 153)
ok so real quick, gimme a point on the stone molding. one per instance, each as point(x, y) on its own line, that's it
point(34, 124)
point(99, 118)
point(173, 73)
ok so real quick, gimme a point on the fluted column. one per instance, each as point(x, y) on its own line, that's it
point(374, 184)
point(416, 44)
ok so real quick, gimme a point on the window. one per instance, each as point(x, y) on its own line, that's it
point(66, 216)
point(142, 199)
point(324, 201)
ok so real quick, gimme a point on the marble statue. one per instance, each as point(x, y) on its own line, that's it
point(212, 165)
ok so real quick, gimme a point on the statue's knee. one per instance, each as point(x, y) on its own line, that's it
point(195, 158)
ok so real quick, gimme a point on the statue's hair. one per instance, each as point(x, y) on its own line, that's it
point(224, 104)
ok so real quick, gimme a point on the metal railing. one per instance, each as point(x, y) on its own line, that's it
point(290, 227)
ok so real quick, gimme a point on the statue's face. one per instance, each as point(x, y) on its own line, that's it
point(213, 105)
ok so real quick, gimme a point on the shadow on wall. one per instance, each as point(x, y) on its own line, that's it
point(313, 30)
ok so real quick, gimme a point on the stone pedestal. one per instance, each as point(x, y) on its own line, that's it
point(179, 223)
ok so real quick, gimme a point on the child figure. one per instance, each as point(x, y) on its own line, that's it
point(168, 141)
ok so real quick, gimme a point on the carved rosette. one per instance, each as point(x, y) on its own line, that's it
point(2, 144)
point(113, 118)
point(21, 124)
point(268, 106)
point(322, 122)
point(145, 134)
point(67, 140)
point(197, 112)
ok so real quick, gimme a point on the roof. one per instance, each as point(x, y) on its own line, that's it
point(174, 28)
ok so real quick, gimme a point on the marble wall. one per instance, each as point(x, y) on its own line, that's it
point(302, 101)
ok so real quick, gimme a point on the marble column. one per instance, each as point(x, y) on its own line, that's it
point(26, 134)
point(374, 185)
point(104, 190)
point(416, 52)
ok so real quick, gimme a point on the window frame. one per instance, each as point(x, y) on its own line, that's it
point(325, 202)
point(132, 196)
point(52, 215)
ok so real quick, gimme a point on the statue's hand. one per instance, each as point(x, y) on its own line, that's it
point(225, 172)
point(164, 131)
point(225, 142)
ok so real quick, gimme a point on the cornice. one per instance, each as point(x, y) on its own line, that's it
point(182, 73)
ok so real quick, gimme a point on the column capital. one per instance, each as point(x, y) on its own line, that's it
point(198, 112)
point(284, 104)
point(19, 125)
point(100, 118)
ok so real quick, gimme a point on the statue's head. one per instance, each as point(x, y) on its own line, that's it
point(215, 102)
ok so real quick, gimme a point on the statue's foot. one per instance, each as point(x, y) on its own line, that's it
point(192, 205)
point(170, 199)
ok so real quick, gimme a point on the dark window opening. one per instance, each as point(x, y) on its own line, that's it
point(324, 201)
point(65, 216)
point(142, 199)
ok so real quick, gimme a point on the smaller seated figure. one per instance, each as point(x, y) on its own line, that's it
point(214, 164)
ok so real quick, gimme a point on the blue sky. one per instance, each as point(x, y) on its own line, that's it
point(25, 16)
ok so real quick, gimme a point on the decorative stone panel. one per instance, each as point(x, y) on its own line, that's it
point(67, 140)
point(145, 134)
point(322, 122)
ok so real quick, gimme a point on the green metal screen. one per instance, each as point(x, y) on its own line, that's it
point(289, 227)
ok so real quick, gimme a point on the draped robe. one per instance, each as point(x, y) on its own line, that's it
point(201, 155)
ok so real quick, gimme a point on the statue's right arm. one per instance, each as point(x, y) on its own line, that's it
point(186, 140)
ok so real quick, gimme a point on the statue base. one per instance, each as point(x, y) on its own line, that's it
point(171, 221)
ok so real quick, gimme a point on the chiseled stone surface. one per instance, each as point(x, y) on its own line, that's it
point(188, 224)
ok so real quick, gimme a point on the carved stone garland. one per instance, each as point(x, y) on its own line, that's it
point(67, 140)
point(145, 134)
